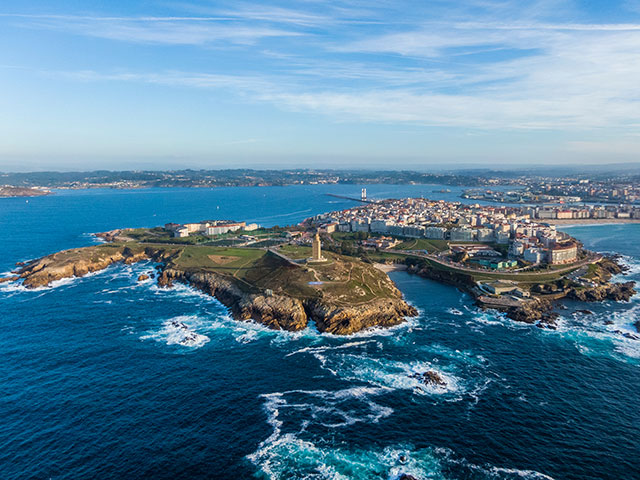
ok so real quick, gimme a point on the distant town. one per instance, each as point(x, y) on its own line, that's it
point(518, 240)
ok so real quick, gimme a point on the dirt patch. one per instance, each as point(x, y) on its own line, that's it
point(222, 259)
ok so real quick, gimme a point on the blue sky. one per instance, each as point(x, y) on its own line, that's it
point(168, 84)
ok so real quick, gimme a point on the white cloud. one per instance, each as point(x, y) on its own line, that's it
point(173, 30)
point(494, 65)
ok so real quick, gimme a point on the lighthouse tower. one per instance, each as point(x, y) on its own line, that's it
point(364, 194)
point(317, 249)
point(316, 255)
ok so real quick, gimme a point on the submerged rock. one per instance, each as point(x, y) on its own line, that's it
point(143, 277)
point(406, 476)
point(637, 325)
point(629, 335)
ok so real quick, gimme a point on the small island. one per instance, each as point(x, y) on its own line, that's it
point(331, 269)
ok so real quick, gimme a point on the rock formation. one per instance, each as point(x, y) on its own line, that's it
point(344, 320)
point(430, 378)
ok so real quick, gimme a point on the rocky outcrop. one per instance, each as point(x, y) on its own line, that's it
point(531, 311)
point(9, 279)
point(281, 312)
point(346, 319)
point(246, 302)
point(406, 476)
point(81, 261)
point(457, 279)
point(430, 378)
point(608, 291)
point(73, 263)
point(612, 265)
point(109, 236)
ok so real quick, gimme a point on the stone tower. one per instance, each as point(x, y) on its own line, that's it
point(317, 248)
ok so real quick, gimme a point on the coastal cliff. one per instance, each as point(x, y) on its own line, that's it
point(344, 320)
point(275, 311)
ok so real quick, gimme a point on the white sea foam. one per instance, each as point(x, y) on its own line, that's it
point(633, 265)
point(618, 338)
point(179, 331)
point(290, 451)
point(494, 317)
point(17, 287)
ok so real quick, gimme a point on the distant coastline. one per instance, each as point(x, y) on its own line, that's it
point(590, 221)
point(12, 192)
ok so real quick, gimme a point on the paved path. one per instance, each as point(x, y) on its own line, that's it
point(283, 256)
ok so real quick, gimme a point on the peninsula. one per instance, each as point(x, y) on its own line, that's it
point(324, 269)
point(8, 191)
point(282, 288)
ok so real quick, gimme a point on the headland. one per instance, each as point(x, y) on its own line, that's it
point(281, 278)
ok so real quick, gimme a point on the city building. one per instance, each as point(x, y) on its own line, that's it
point(566, 253)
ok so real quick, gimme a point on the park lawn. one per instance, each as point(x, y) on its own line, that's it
point(276, 274)
point(228, 260)
point(296, 252)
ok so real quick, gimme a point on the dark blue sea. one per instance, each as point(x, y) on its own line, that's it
point(94, 383)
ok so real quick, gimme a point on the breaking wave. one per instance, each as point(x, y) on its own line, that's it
point(298, 448)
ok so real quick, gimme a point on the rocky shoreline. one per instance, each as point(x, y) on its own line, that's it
point(275, 311)
point(284, 312)
point(540, 309)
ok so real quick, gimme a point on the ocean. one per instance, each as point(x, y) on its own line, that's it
point(95, 383)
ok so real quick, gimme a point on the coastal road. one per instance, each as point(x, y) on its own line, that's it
point(448, 264)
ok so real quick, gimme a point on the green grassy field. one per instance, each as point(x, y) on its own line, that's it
point(295, 252)
point(424, 244)
point(227, 260)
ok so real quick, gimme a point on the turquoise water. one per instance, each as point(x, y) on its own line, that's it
point(95, 384)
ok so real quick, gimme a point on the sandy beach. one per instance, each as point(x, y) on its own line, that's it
point(390, 267)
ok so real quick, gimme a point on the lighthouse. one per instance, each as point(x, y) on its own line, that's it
point(364, 194)
point(317, 248)
point(316, 255)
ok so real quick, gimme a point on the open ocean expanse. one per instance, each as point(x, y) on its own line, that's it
point(95, 385)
